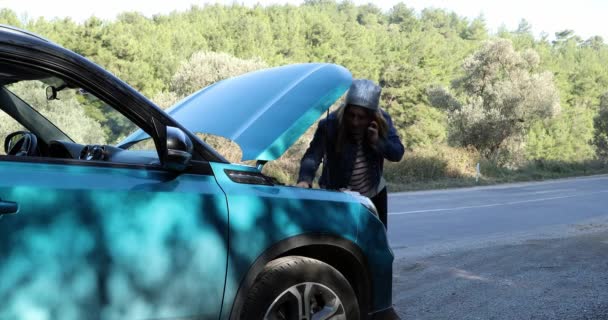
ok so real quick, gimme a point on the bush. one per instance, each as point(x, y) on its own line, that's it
point(437, 163)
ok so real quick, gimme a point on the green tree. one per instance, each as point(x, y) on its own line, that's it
point(9, 17)
point(403, 16)
point(476, 30)
point(566, 137)
point(600, 125)
point(411, 53)
point(67, 113)
point(205, 68)
point(501, 95)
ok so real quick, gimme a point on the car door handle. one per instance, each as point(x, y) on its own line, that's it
point(8, 207)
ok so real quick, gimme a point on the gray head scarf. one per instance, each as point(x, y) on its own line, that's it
point(364, 93)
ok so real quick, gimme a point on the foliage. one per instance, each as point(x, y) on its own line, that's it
point(427, 164)
point(67, 114)
point(205, 68)
point(600, 124)
point(564, 138)
point(444, 77)
point(501, 95)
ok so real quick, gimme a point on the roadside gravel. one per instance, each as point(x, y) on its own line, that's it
point(559, 278)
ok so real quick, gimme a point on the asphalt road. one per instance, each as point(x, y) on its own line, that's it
point(431, 221)
point(520, 251)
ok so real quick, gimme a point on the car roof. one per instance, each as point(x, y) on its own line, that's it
point(12, 73)
point(21, 32)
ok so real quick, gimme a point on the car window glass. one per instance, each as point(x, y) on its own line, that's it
point(7, 125)
point(146, 144)
point(79, 114)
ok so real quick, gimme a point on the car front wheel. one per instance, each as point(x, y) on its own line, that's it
point(300, 288)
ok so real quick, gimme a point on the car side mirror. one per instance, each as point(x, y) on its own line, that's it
point(179, 149)
point(51, 93)
point(11, 139)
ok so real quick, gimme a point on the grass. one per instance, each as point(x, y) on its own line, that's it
point(492, 174)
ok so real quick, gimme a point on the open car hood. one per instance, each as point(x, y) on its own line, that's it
point(264, 111)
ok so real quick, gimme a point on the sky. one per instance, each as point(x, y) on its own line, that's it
point(586, 17)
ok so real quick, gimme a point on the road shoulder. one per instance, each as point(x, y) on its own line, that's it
point(549, 278)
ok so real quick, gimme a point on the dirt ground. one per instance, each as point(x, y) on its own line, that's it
point(561, 278)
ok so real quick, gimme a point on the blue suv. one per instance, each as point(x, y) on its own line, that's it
point(112, 208)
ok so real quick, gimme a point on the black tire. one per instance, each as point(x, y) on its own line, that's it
point(298, 272)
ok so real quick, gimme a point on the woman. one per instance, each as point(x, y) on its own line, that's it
point(353, 143)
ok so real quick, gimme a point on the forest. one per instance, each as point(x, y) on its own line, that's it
point(522, 106)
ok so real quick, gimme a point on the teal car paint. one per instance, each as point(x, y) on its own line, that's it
point(297, 211)
point(254, 227)
point(374, 242)
point(75, 243)
point(281, 102)
point(164, 228)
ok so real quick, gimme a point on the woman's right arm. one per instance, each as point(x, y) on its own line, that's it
point(312, 157)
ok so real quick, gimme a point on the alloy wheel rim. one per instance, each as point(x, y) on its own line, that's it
point(306, 301)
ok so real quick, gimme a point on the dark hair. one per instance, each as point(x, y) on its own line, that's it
point(374, 115)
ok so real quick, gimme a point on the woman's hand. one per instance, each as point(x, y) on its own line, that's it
point(303, 184)
point(372, 133)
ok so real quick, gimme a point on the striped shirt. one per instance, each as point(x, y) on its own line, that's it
point(360, 179)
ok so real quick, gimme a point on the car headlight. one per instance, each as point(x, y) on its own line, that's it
point(365, 201)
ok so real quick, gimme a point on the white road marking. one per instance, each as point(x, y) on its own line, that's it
point(553, 191)
point(497, 204)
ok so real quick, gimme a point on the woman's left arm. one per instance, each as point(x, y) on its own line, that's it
point(390, 147)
